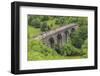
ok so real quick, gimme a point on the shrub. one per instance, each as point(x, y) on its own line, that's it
point(36, 23)
point(45, 18)
point(35, 55)
point(39, 51)
point(44, 27)
point(70, 50)
point(85, 49)
point(79, 36)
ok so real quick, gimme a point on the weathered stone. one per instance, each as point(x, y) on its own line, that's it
point(57, 37)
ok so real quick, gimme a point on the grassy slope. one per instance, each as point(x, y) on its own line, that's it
point(33, 31)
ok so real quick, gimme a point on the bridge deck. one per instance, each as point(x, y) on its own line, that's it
point(54, 31)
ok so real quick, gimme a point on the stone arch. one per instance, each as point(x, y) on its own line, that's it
point(59, 40)
point(52, 42)
point(73, 29)
point(66, 35)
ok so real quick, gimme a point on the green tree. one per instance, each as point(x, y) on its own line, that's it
point(57, 21)
point(71, 19)
point(70, 50)
point(45, 27)
point(82, 21)
point(78, 37)
point(45, 18)
point(85, 48)
point(36, 23)
point(30, 20)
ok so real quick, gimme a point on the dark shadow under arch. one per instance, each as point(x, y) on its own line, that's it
point(59, 40)
point(51, 40)
point(66, 35)
point(73, 29)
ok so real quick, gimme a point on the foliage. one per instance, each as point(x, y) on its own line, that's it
point(35, 55)
point(85, 49)
point(44, 27)
point(32, 32)
point(45, 18)
point(82, 21)
point(38, 51)
point(76, 47)
point(60, 21)
point(79, 36)
point(36, 23)
point(70, 50)
point(72, 20)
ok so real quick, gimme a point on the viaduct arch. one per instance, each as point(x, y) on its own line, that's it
point(57, 37)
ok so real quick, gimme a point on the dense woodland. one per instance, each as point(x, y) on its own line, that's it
point(76, 47)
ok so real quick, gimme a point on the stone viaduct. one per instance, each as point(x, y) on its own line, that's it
point(57, 38)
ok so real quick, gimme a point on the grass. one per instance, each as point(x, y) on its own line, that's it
point(37, 56)
point(33, 31)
